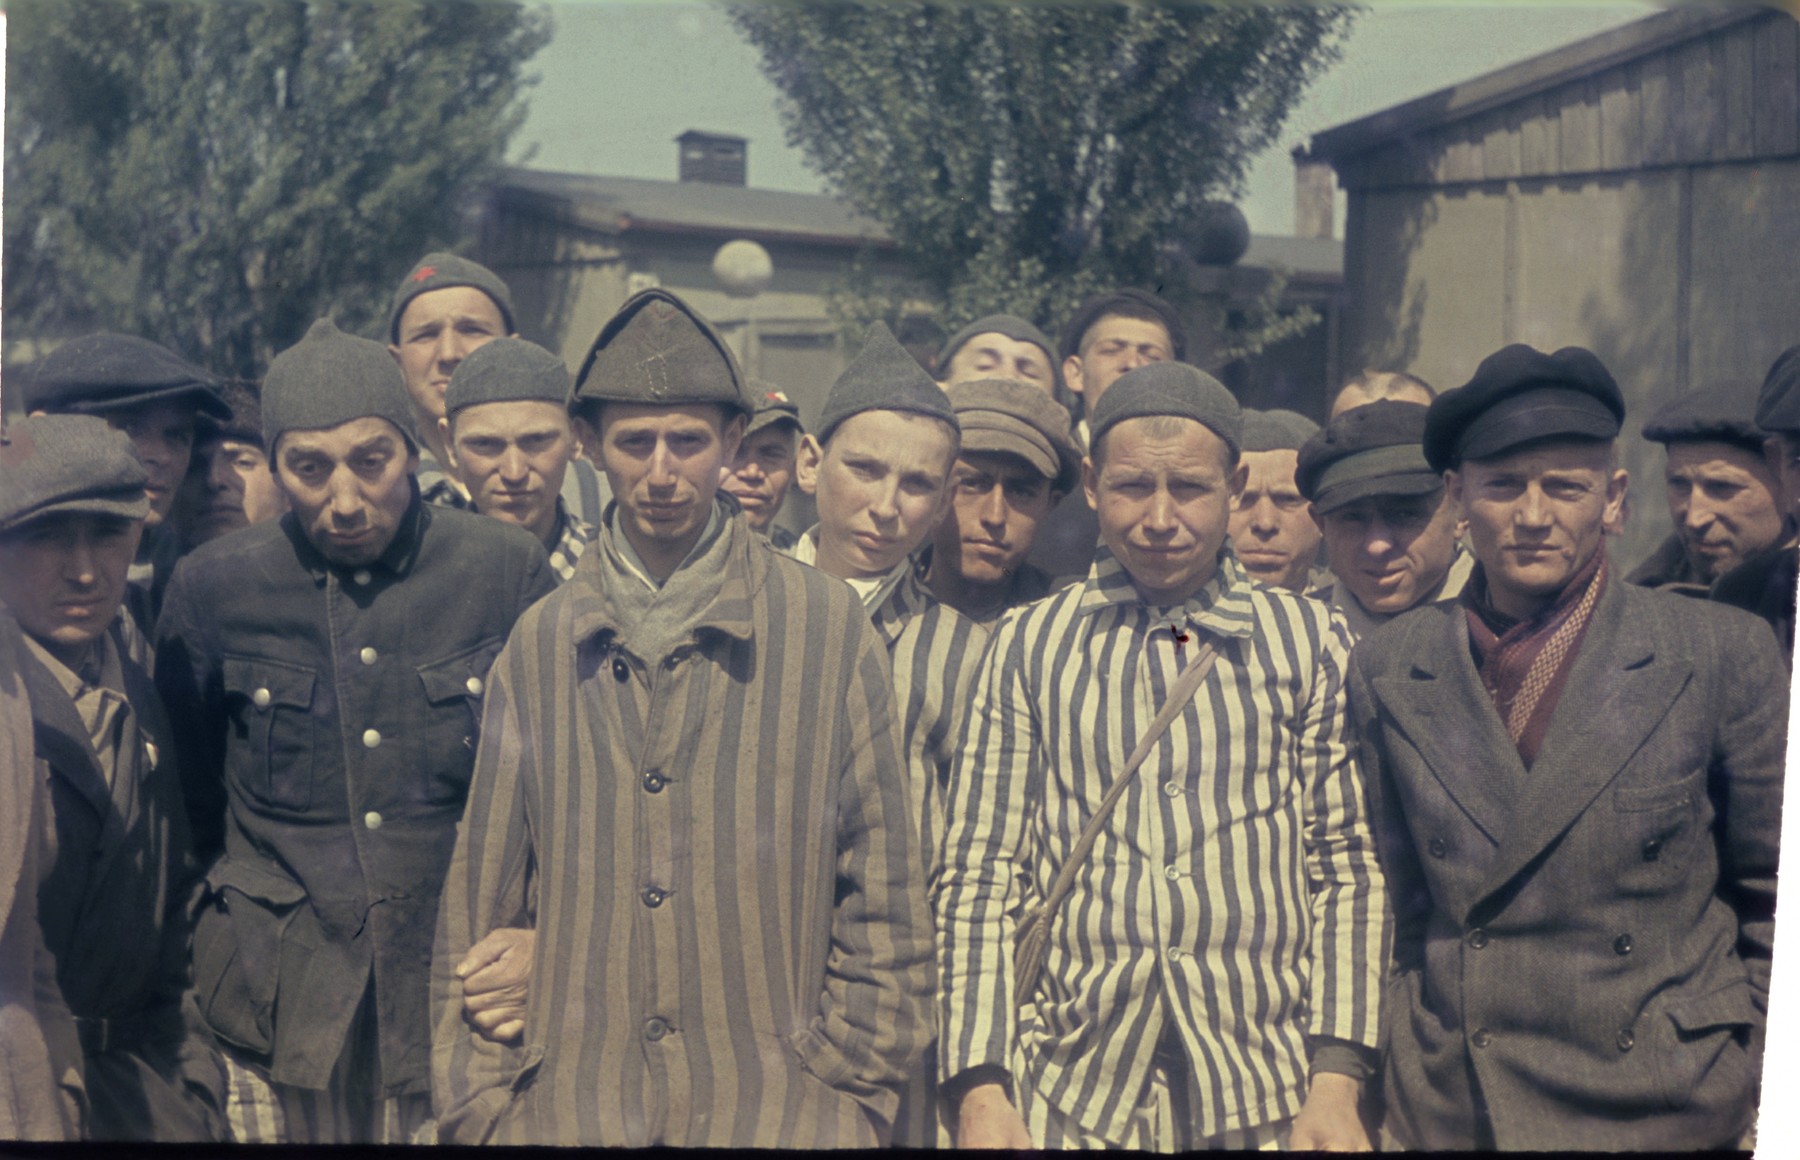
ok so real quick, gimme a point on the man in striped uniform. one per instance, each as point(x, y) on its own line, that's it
point(690, 787)
point(1213, 979)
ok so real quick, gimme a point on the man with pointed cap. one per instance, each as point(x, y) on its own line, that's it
point(326, 674)
point(763, 470)
point(1272, 530)
point(1579, 784)
point(1391, 532)
point(1001, 346)
point(690, 789)
point(1212, 980)
point(1765, 582)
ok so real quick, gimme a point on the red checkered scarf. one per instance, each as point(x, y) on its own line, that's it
point(1524, 663)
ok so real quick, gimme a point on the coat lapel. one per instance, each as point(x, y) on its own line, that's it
point(61, 738)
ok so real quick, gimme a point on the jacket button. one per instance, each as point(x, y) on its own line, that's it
point(1622, 944)
point(361, 576)
point(1172, 788)
point(655, 1029)
point(1626, 1040)
point(368, 656)
point(260, 698)
point(1482, 1037)
point(1478, 938)
point(654, 782)
point(1652, 848)
point(653, 897)
point(371, 738)
point(1172, 872)
point(372, 820)
point(1436, 847)
point(473, 684)
point(621, 671)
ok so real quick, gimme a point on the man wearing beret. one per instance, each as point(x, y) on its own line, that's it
point(1016, 463)
point(689, 786)
point(326, 672)
point(763, 470)
point(1722, 490)
point(1212, 980)
point(1765, 582)
point(1391, 531)
point(118, 872)
point(1272, 531)
point(229, 484)
point(446, 307)
point(1000, 346)
point(508, 439)
point(1580, 795)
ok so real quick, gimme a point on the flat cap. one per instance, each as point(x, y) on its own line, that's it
point(59, 464)
point(1719, 413)
point(1131, 301)
point(441, 270)
point(1170, 388)
point(1778, 404)
point(659, 350)
point(329, 378)
point(1276, 430)
point(883, 377)
point(99, 372)
point(504, 370)
point(245, 424)
point(1374, 449)
point(772, 407)
point(1013, 327)
point(1016, 418)
point(1520, 395)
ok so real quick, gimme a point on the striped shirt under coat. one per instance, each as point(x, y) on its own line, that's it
point(778, 990)
point(1236, 879)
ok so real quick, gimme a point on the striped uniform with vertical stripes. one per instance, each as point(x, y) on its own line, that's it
point(1234, 891)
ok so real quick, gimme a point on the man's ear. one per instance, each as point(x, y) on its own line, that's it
point(587, 440)
point(1240, 479)
point(1618, 491)
point(732, 436)
point(1453, 495)
point(443, 426)
point(394, 350)
point(1090, 481)
point(1072, 373)
point(808, 457)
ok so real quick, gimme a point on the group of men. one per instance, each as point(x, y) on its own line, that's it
point(436, 745)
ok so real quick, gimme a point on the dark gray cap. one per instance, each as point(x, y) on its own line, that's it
point(1276, 430)
point(1170, 388)
point(505, 370)
point(330, 378)
point(883, 377)
point(1778, 404)
point(1013, 327)
point(1129, 301)
point(104, 371)
point(1374, 449)
point(1017, 418)
point(658, 350)
point(772, 407)
point(441, 270)
point(245, 424)
point(1720, 413)
point(1520, 395)
point(62, 464)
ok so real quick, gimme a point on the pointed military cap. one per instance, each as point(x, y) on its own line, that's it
point(439, 271)
point(1276, 430)
point(1778, 404)
point(884, 377)
point(1520, 395)
point(104, 371)
point(505, 370)
point(659, 350)
point(329, 378)
point(65, 464)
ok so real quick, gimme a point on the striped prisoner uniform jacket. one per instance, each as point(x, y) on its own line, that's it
point(719, 857)
point(1234, 893)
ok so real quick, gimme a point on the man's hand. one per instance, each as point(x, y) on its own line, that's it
point(1328, 1121)
point(987, 1119)
point(496, 974)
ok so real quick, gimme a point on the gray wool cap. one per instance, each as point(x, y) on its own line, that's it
point(1276, 430)
point(1778, 403)
point(1170, 388)
point(505, 370)
point(884, 377)
point(329, 378)
point(105, 371)
point(1015, 418)
point(61, 464)
point(441, 270)
point(1719, 413)
point(1013, 327)
point(659, 350)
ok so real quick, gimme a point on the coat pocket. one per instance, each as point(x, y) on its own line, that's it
point(453, 687)
point(1697, 1033)
point(237, 950)
point(271, 746)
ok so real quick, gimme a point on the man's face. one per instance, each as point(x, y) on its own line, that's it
point(163, 433)
point(1537, 516)
point(760, 473)
point(512, 456)
point(1723, 500)
point(997, 502)
point(65, 575)
point(232, 487)
point(1163, 494)
point(1391, 550)
point(438, 329)
point(1112, 346)
point(663, 464)
point(1272, 529)
point(992, 355)
point(881, 485)
point(349, 486)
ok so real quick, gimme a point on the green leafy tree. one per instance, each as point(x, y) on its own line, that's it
point(1025, 156)
point(216, 175)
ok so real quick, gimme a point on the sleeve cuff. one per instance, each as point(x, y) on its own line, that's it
point(953, 1089)
point(1341, 1057)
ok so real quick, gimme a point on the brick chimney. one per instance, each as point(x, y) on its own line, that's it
point(715, 157)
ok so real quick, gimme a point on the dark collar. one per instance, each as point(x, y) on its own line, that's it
point(396, 560)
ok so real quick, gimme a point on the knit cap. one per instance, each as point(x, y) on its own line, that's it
point(103, 371)
point(1276, 430)
point(883, 377)
point(329, 378)
point(57, 464)
point(659, 350)
point(1169, 388)
point(505, 370)
point(440, 270)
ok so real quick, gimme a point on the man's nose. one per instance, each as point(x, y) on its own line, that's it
point(992, 511)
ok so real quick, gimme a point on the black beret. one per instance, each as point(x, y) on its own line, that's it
point(56, 464)
point(883, 377)
point(1017, 418)
point(1778, 405)
point(772, 407)
point(1374, 449)
point(1520, 395)
point(100, 372)
point(441, 270)
point(1720, 413)
point(1128, 300)
point(1276, 430)
point(330, 378)
point(1169, 388)
point(658, 350)
point(505, 370)
point(1013, 327)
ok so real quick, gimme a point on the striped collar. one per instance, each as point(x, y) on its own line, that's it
point(907, 598)
point(730, 612)
point(1224, 605)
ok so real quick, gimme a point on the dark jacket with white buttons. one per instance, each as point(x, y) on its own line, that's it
point(329, 716)
point(1588, 938)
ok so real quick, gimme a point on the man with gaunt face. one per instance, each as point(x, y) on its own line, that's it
point(1272, 530)
point(1765, 582)
point(759, 476)
point(231, 483)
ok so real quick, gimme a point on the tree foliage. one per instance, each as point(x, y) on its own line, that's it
point(215, 175)
point(1024, 156)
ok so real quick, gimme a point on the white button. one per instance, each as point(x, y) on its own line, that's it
point(361, 576)
point(369, 656)
point(473, 684)
point(1175, 954)
point(371, 738)
point(260, 698)
point(1173, 871)
point(372, 820)
point(1172, 788)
